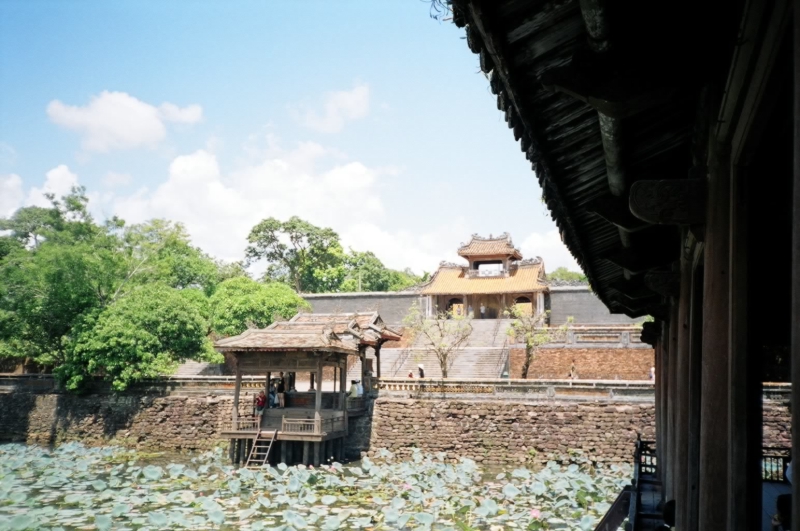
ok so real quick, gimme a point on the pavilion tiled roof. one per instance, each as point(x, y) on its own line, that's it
point(500, 245)
point(452, 280)
point(307, 331)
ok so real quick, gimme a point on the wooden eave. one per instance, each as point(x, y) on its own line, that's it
point(521, 42)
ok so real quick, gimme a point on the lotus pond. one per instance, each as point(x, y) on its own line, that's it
point(76, 487)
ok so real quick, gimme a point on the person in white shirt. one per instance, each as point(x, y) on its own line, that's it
point(360, 388)
point(353, 390)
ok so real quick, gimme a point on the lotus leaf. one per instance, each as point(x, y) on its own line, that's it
point(216, 516)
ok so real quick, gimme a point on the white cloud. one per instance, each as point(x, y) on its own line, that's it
point(10, 194)
point(338, 108)
point(58, 181)
point(114, 179)
point(220, 208)
point(117, 120)
point(549, 246)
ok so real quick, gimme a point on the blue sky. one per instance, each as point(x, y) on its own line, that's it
point(368, 117)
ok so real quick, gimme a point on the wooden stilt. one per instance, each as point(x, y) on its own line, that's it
point(306, 453)
point(283, 451)
point(316, 453)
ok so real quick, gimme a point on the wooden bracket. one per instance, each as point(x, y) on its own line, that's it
point(666, 283)
point(669, 202)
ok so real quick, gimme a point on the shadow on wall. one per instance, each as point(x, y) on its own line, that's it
point(359, 435)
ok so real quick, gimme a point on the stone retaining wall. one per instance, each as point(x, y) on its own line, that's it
point(590, 363)
point(494, 432)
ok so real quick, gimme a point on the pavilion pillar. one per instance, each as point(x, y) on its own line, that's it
point(714, 399)
point(236, 392)
point(658, 385)
point(695, 392)
point(745, 387)
point(672, 399)
point(318, 397)
point(795, 282)
point(378, 358)
point(306, 453)
point(311, 379)
point(317, 453)
point(682, 383)
point(664, 428)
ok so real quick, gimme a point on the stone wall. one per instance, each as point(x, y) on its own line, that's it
point(494, 432)
point(165, 423)
point(593, 363)
point(392, 306)
point(507, 433)
point(583, 306)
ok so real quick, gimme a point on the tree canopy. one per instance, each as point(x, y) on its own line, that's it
point(562, 273)
point(239, 303)
point(311, 260)
point(130, 301)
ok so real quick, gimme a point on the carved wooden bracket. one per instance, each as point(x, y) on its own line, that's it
point(669, 202)
point(650, 333)
point(667, 283)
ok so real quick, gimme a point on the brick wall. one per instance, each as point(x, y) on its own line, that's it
point(594, 363)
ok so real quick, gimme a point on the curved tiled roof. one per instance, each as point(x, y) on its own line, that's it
point(453, 280)
point(500, 245)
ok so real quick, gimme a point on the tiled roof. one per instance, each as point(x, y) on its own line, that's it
point(450, 280)
point(308, 331)
point(272, 339)
point(501, 245)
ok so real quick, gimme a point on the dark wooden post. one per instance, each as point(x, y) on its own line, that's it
point(695, 392)
point(318, 397)
point(658, 384)
point(672, 398)
point(665, 456)
point(795, 331)
point(378, 359)
point(682, 382)
point(714, 398)
point(306, 457)
point(236, 391)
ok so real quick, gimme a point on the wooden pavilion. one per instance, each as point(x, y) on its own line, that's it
point(664, 136)
point(313, 424)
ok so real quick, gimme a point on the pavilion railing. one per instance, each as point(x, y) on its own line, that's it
point(309, 426)
point(773, 463)
point(246, 423)
point(356, 403)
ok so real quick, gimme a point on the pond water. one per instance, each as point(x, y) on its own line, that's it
point(75, 487)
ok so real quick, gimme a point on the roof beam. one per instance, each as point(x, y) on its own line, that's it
point(615, 210)
point(669, 202)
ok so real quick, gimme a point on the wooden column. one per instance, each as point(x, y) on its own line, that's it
point(236, 391)
point(284, 451)
point(658, 385)
point(306, 453)
point(316, 453)
point(665, 429)
point(311, 379)
point(378, 358)
point(682, 383)
point(745, 393)
point(795, 287)
point(695, 392)
point(714, 400)
point(318, 397)
point(672, 399)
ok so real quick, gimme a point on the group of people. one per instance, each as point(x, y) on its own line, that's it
point(482, 309)
point(421, 370)
point(356, 389)
point(276, 398)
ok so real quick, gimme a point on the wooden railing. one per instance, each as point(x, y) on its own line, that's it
point(309, 426)
point(245, 423)
point(356, 403)
point(773, 463)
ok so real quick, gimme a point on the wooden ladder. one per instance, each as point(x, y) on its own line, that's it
point(260, 450)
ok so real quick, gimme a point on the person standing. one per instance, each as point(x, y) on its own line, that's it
point(573, 373)
point(261, 403)
point(421, 370)
point(281, 392)
point(483, 311)
point(652, 373)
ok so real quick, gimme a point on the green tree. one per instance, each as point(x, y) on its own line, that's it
point(241, 302)
point(160, 251)
point(528, 328)
point(144, 334)
point(444, 334)
point(400, 280)
point(307, 257)
point(562, 273)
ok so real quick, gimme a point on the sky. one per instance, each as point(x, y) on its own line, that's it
point(367, 117)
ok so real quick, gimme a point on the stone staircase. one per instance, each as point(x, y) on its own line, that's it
point(482, 357)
